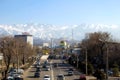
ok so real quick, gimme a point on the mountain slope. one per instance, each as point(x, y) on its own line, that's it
point(46, 31)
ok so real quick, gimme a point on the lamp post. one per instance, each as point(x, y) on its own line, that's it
point(77, 50)
point(106, 46)
point(106, 61)
point(77, 61)
point(86, 60)
point(1, 59)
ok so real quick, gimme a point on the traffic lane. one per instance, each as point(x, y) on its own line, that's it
point(44, 72)
point(63, 69)
point(30, 74)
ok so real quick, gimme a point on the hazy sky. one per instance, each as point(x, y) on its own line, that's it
point(60, 12)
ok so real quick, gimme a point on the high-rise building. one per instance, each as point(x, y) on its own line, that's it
point(25, 37)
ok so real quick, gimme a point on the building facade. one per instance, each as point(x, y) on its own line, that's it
point(27, 38)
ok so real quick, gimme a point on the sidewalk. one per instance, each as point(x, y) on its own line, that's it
point(91, 78)
point(44, 57)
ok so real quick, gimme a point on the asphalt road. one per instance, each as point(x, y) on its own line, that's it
point(61, 69)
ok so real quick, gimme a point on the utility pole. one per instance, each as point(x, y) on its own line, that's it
point(106, 61)
point(51, 46)
point(77, 60)
point(72, 37)
point(107, 64)
point(86, 60)
point(72, 42)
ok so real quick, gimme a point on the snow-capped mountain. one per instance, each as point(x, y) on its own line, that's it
point(46, 31)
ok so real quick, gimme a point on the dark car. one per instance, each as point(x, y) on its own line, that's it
point(71, 69)
point(37, 74)
point(44, 66)
point(55, 65)
point(60, 77)
point(38, 69)
point(18, 79)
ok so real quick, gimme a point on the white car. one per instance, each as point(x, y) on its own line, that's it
point(46, 77)
point(21, 71)
point(10, 77)
point(48, 68)
point(70, 73)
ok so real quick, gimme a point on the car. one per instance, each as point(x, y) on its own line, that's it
point(60, 77)
point(46, 62)
point(48, 68)
point(37, 74)
point(46, 77)
point(10, 77)
point(20, 71)
point(38, 62)
point(82, 77)
point(18, 79)
point(44, 66)
point(70, 69)
point(110, 73)
point(63, 62)
point(55, 65)
point(17, 75)
point(38, 69)
point(70, 73)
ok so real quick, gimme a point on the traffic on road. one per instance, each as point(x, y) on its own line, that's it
point(51, 69)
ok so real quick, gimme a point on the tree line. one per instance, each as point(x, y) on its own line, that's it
point(97, 45)
point(16, 52)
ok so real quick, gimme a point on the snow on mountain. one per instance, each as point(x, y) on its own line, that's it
point(46, 31)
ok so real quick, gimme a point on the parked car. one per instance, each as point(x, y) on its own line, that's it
point(37, 74)
point(17, 75)
point(46, 77)
point(20, 71)
point(10, 77)
point(60, 77)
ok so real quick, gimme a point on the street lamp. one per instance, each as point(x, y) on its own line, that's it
point(77, 61)
point(106, 46)
point(86, 60)
point(77, 51)
point(106, 61)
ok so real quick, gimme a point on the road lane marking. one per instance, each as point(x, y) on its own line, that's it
point(52, 75)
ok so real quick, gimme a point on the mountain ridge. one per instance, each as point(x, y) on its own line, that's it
point(48, 31)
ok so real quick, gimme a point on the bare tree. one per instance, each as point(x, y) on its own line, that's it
point(6, 46)
point(95, 44)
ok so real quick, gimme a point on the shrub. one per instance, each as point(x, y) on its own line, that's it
point(90, 69)
point(115, 71)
